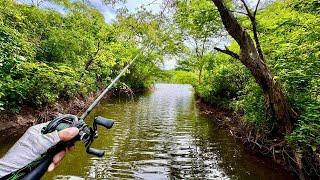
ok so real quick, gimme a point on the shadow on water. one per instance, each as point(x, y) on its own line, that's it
point(161, 135)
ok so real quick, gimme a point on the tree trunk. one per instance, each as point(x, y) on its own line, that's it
point(276, 101)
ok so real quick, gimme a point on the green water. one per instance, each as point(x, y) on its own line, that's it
point(161, 135)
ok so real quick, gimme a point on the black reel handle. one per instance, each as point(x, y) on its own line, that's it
point(107, 123)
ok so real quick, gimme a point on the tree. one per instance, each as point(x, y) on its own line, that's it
point(251, 56)
point(198, 23)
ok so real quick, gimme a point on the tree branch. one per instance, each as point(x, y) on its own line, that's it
point(228, 52)
point(247, 9)
point(253, 20)
point(239, 12)
point(255, 32)
point(256, 9)
point(91, 59)
point(203, 46)
point(153, 2)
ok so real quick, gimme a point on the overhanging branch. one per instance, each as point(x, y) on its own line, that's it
point(247, 9)
point(256, 9)
point(228, 52)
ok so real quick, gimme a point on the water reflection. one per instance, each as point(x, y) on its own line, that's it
point(162, 136)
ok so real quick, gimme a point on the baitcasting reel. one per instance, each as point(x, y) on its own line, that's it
point(37, 168)
point(86, 134)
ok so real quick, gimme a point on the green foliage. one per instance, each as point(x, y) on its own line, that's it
point(143, 73)
point(222, 80)
point(289, 35)
point(45, 55)
point(310, 6)
point(291, 44)
point(251, 103)
point(198, 21)
point(180, 77)
point(198, 18)
point(228, 83)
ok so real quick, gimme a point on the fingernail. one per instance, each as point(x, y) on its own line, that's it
point(51, 167)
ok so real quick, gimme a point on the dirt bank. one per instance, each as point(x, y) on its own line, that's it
point(16, 124)
point(302, 165)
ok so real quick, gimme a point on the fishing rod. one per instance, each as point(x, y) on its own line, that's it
point(37, 168)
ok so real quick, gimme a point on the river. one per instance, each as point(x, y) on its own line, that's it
point(162, 135)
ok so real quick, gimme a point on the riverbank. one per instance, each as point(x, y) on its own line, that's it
point(274, 150)
point(15, 124)
point(302, 166)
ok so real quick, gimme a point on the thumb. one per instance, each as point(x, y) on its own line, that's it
point(68, 133)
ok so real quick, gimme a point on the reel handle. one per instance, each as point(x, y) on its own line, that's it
point(107, 123)
point(95, 152)
point(40, 170)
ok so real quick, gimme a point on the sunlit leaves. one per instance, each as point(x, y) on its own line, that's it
point(198, 18)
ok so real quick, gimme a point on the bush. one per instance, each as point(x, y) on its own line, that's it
point(180, 77)
point(291, 42)
point(45, 55)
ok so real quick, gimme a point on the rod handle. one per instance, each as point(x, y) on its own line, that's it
point(45, 160)
point(40, 170)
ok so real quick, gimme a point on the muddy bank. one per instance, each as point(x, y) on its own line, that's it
point(302, 166)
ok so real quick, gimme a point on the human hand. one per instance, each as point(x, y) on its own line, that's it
point(31, 145)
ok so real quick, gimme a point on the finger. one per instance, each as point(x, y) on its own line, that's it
point(51, 167)
point(68, 134)
point(58, 157)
